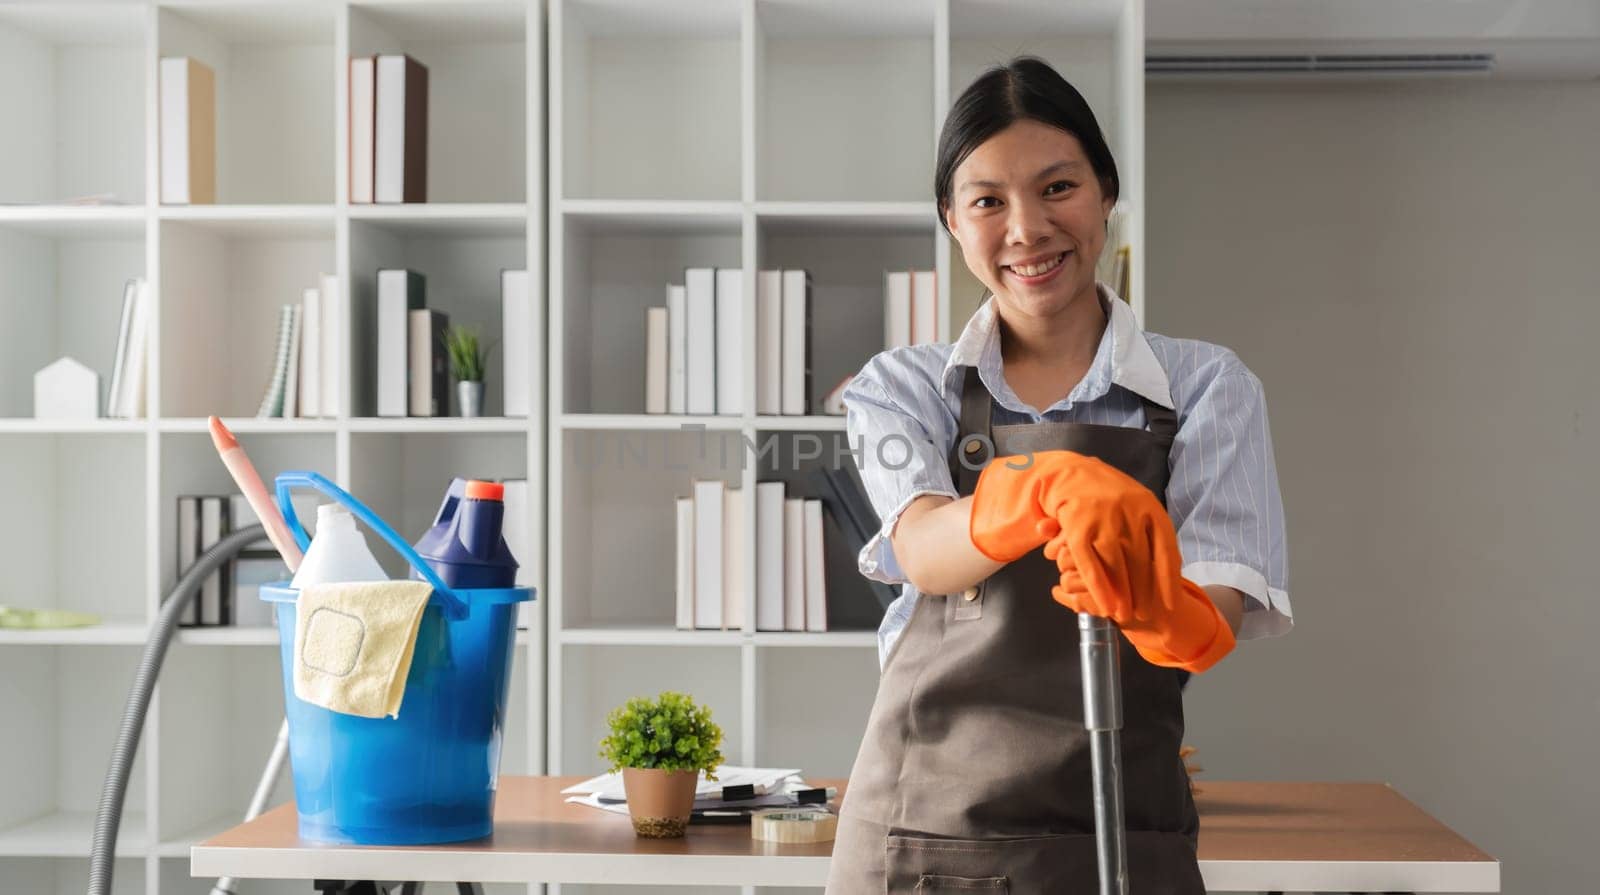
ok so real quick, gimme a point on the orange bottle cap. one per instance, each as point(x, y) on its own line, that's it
point(477, 490)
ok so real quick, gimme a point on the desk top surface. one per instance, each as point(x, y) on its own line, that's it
point(1313, 829)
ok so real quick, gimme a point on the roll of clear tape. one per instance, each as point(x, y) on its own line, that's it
point(793, 826)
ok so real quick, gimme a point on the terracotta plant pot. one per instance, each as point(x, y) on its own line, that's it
point(659, 801)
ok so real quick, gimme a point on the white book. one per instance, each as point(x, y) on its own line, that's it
point(363, 104)
point(685, 566)
point(311, 352)
point(291, 384)
point(130, 301)
point(794, 564)
point(188, 132)
point(399, 292)
point(700, 293)
point(516, 349)
point(133, 380)
point(730, 340)
point(515, 529)
point(769, 342)
point(896, 309)
point(708, 505)
point(655, 360)
point(769, 556)
point(210, 533)
point(816, 582)
point(677, 350)
point(399, 162)
point(796, 342)
point(334, 352)
point(924, 307)
point(732, 560)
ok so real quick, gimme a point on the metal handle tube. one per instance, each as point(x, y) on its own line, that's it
point(1102, 718)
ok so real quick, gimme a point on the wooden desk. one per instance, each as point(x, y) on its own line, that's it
point(1345, 837)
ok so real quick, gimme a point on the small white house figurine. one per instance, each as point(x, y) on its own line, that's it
point(66, 390)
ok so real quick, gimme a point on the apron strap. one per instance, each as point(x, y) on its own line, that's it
point(969, 454)
point(1163, 421)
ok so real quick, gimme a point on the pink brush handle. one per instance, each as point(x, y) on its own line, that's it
point(244, 475)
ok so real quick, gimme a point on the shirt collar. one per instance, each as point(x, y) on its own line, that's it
point(1124, 357)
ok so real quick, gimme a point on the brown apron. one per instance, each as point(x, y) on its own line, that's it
point(974, 773)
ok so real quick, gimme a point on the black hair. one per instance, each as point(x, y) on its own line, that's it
point(1026, 88)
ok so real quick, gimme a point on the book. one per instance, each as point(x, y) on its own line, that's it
point(684, 616)
point(845, 500)
point(272, 402)
point(130, 300)
point(708, 507)
point(400, 143)
point(399, 293)
point(363, 124)
point(655, 360)
point(188, 544)
point(334, 346)
point(700, 293)
point(794, 564)
point(896, 309)
point(816, 581)
point(730, 341)
point(677, 350)
point(796, 342)
point(291, 385)
point(310, 352)
point(924, 307)
point(732, 560)
point(428, 365)
point(188, 118)
point(769, 556)
point(516, 342)
point(214, 603)
point(769, 342)
point(519, 538)
point(136, 372)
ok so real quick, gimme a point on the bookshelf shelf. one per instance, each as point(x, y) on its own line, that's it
point(23, 426)
point(825, 639)
point(800, 423)
point(446, 425)
point(248, 425)
point(658, 636)
point(66, 834)
point(111, 632)
point(649, 422)
point(75, 220)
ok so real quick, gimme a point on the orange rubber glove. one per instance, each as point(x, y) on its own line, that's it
point(1014, 509)
point(1114, 544)
point(1118, 556)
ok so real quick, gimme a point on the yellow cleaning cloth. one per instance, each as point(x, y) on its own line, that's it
point(353, 643)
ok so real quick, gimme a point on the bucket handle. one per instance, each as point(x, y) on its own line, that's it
point(454, 606)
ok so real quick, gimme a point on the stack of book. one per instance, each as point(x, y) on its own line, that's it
point(694, 345)
point(910, 308)
point(126, 398)
point(388, 129)
point(791, 589)
point(304, 381)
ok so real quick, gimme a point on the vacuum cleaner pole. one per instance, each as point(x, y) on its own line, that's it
point(1102, 717)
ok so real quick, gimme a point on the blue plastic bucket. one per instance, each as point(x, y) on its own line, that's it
point(429, 775)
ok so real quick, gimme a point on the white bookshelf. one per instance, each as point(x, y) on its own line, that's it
point(91, 526)
point(736, 133)
point(754, 134)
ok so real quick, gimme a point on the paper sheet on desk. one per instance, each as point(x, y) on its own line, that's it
point(771, 800)
point(608, 787)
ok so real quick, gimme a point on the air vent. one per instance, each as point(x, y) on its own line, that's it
point(1319, 63)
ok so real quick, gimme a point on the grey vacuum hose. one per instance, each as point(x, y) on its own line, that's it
point(103, 849)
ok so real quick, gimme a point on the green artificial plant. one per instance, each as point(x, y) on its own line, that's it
point(669, 732)
point(467, 354)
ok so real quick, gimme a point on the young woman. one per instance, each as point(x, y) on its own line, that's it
point(1132, 478)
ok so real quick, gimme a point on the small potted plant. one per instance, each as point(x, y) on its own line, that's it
point(467, 359)
point(661, 745)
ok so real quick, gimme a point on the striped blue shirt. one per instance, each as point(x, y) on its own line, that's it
point(903, 409)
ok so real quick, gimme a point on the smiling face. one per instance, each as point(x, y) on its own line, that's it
point(1030, 216)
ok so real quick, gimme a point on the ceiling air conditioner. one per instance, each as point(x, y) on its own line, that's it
point(1158, 65)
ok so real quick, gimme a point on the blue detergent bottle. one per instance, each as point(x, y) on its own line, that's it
point(465, 546)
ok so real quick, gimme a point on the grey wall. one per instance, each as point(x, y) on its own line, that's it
point(1413, 270)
